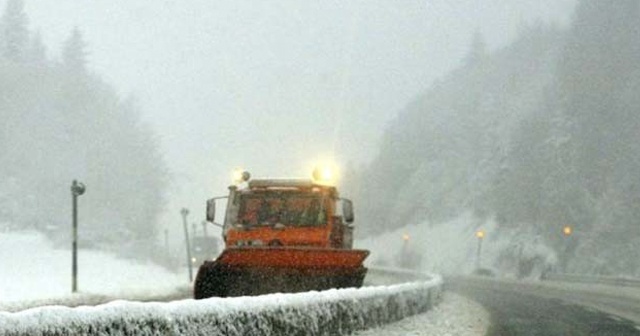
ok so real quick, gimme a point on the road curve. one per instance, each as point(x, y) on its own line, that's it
point(517, 311)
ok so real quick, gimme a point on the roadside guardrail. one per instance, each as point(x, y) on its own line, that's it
point(332, 312)
point(591, 279)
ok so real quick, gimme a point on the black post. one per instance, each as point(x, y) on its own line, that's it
point(184, 212)
point(77, 189)
point(74, 262)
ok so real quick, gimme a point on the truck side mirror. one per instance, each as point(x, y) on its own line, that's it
point(347, 211)
point(211, 210)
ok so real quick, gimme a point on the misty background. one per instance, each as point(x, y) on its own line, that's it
point(519, 113)
point(527, 140)
point(274, 87)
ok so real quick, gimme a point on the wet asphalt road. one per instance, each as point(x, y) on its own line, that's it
point(514, 312)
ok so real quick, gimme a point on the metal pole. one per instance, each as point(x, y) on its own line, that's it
point(405, 262)
point(184, 212)
point(167, 254)
point(478, 253)
point(74, 246)
point(77, 189)
point(204, 228)
point(564, 261)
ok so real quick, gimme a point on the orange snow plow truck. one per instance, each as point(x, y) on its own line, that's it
point(282, 236)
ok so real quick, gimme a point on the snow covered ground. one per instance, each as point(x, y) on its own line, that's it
point(455, 315)
point(32, 270)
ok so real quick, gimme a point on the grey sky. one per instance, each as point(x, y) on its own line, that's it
point(275, 85)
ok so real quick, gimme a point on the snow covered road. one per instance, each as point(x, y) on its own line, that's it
point(540, 308)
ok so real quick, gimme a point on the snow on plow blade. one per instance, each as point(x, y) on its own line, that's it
point(262, 270)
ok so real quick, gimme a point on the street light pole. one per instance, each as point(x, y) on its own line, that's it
point(77, 189)
point(204, 228)
point(567, 231)
point(167, 254)
point(404, 255)
point(184, 212)
point(480, 235)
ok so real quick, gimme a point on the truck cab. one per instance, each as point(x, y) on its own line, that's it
point(287, 213)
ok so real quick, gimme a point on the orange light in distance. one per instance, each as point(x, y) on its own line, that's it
point(480, 234)
point(567, 230)
point(405, 237)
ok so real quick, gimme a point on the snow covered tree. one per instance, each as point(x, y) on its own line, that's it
point(37, 52)
point(478, 50)
point(14, 33)
point(74, 54)
point(71, 124)
point(600, 61)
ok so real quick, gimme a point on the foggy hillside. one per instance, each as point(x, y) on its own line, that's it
point(59, 122)
point(538, 135)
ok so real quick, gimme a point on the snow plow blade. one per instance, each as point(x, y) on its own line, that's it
point(243, 271)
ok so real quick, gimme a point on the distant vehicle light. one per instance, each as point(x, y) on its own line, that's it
point(480, 234)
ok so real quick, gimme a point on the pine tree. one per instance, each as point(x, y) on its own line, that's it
point(599, 61)
point(14, 33)
point(37, 53)
point(597, 75)
point(74, 55)
point(478, 49)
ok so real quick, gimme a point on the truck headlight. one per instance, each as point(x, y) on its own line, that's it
point(325, 174)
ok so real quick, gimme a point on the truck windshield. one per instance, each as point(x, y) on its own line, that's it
point(290, 209)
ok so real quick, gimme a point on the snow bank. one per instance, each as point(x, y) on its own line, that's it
point(89, 299)
point(32, 270)
point(332, 312)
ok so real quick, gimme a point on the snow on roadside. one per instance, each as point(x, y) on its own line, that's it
point(444, 248)
point(455, 315)
point(451, 247)
point(333, 312)
point(31, 269)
